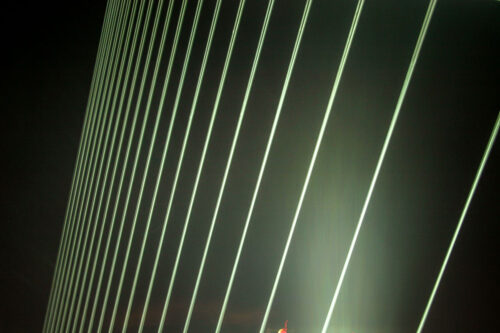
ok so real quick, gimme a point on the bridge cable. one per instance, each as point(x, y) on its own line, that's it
point(402, 95)
point(83, 182)
point(127, 153)
point(248, 89)
point(234, 33)
point(76, 172)
point(479, 172)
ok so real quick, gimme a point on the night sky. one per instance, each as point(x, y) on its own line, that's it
point(444, 126)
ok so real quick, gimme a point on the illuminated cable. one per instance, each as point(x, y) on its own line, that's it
point(81, 221)
point(105, 177)
point(326, 117)
point(460, 222)
point(124, 123)
point(76, 172)
point(167, 79)
point(165, 150)
point(243, 108)
point(134, 166)
point(402, 95)
point(108, 93)
point(236, 25)
point(122, 176)
point(83, 182)
point(158, 116)
point(164, 154)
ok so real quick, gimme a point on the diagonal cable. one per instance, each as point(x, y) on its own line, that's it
point(95, 154)
point(122, 133)
point(248, 89)
point(127, 153)
point(193, 107)
point(164, 154)
point(134, 166)
point(105, 177)
point(76, 172)
point(234, 34)
point(402, 95)
point(148, 105)
point(479, 172)
point(83, 184)
point(326, 117)
point(108, 93)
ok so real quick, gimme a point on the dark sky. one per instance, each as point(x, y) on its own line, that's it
point(445, 123)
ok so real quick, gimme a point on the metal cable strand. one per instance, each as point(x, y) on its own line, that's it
point(81, 182)
point(110, 155)
point(235, 139)
point(387, 140)
point(76, 172)
point(108, 88)
point(248, 89)
point(148, 105)
point(326, 117)
point(127, 152)
point(479, 172)
point(109, 92)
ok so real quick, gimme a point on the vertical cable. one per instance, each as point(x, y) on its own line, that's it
point(326, 117)
point(139, 147)
point(167, 76)
point(165, 150)
point(402, 95)
point(460, 222)
point(193, 108)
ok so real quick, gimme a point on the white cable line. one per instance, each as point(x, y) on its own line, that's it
point(134, 169)
point(76, 172)
point(228, 166)
point(326, 117)
point(146, 115)
point(124, 123)
point(255, 63)
point(402, 95)
point(83, 182)
point(125, 162)
point(110, 155)
point(108, 91)
point(166, 25)
point(460, 222)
